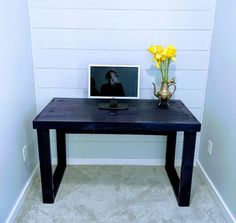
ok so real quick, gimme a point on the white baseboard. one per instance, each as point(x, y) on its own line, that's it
point(219, 200)
point(138, 162)
point(16, 208)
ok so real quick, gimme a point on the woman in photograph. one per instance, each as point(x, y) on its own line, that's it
point(113, 87)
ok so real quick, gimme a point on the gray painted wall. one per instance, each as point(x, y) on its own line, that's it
point(17, 103)
point(219, 119)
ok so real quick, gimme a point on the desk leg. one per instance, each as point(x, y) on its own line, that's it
point(170, 149)
point(45, 165)
point(182, 185)
point(170, 162)
point(186, 168)
point(61, 160)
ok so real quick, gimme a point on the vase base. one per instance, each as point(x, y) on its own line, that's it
point(163, 104)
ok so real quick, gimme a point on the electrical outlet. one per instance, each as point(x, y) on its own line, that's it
point(24, 152)
point(209, 148)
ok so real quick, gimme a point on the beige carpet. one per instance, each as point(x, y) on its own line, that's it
point(119, 194)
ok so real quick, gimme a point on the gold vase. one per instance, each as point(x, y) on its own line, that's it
point(164, 94)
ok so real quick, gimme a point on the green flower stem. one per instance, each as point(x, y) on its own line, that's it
point(167, 69)
point(164, 68)
point(161, 69)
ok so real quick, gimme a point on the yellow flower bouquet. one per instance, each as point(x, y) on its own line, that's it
point(163, 57)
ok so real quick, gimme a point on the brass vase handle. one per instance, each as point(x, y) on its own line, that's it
point(173, 84)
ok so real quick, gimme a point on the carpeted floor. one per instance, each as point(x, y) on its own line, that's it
point(119, 194)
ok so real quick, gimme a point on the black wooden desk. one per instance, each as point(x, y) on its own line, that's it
point(144, 117)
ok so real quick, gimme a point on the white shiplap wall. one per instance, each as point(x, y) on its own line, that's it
point(70, 34)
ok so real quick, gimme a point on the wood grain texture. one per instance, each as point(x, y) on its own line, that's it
point(143, 116)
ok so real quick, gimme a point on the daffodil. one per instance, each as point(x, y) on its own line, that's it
point(155, 49)
point(162, 57)
point(170, 52)
point(152, 49)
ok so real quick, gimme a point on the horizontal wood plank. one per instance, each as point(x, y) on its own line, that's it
point(114, 39)
point(191, 98)
point(64, 58)
point(125, 4)
point(119, 19)
point(185, 79)
point(62, 78)
point(78, 78)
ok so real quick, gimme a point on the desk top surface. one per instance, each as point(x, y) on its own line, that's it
point(142, 115)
